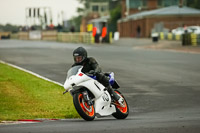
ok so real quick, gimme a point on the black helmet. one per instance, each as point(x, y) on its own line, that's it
point(80, 55)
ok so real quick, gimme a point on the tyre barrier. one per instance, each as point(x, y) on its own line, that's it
point(187, 38)
point(191, 39)
point(76, 37)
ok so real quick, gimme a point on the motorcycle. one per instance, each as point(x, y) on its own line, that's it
point(91, 98)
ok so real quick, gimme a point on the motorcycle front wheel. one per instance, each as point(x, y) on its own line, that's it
point(121, 112)
point(85, 111)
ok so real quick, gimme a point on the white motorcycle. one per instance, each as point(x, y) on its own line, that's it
point(91, 98)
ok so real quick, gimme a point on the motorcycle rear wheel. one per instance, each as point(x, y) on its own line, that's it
point(85, 111)
point(121, 112)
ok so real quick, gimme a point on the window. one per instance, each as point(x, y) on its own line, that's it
point(95, 8)
point(165, 3)
point(174, 2)
point(103, 8)
point(136, 3)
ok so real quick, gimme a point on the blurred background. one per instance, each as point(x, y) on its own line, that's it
point(101, 20)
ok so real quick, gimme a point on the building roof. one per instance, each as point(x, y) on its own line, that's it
point(101, 19)
point(171, 10)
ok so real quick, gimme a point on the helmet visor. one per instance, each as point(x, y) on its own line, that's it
point(78, 59)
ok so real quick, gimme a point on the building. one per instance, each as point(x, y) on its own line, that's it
point(95, 10)
point(134, 6)
point(140, 17)
point(101, 8)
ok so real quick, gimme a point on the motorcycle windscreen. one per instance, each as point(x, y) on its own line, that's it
point(73, 71)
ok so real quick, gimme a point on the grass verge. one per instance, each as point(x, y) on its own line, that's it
point(25, 96)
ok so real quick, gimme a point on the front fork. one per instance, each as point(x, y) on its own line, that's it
point(85, 96)
point(87, 99)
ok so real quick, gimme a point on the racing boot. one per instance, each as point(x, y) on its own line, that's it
point(115, 96)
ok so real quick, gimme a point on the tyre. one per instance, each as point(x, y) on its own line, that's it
point(121, 112)
point(85, 111)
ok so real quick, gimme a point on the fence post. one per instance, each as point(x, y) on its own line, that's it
point(194, 39)
point(92, 39)
point(162, 37)
point(170, 36)
point(110, 37)
point(198, 39)
point(177, 37)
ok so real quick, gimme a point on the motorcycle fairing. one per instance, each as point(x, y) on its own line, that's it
point(102, 98)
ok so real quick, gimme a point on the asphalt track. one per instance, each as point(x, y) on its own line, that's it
point(162, 87)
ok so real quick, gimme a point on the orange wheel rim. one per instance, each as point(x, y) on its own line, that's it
point(85, 107)
point(122, 109)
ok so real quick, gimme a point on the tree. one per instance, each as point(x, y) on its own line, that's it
point(9, 28)
point(193, 3)
point(115, 15)
point(76, 22)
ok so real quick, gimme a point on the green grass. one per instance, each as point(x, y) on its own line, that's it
point(25, 96)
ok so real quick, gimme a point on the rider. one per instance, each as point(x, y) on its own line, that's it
point(90, 65)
